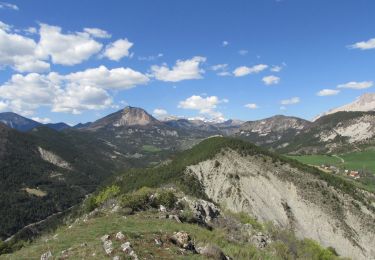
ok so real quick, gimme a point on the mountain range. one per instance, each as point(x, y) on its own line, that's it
point(52, 167)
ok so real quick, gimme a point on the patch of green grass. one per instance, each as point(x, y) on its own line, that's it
point(353, 161)
point(316, 159)
point(150, 148)
point(140, 230)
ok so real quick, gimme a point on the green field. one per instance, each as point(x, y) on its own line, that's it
point(151, 148)
point(363, 160)
point(353, 161)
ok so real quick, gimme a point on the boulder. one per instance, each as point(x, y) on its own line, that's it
point(212, 252)
point(120, 236)
point(183, 240)
point(204, 211)
point(108, 247)
point(104, 238)
point(162, 208)
point(46, 256)
point(260, 240)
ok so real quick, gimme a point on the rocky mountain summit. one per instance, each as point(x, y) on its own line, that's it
point(129, 116)
point(364, 103)
point(267, 132)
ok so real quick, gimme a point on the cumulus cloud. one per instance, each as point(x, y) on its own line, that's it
point(243, 70)
point(77, 98)
point(271, 80)
point(364, 45)
point(118, 78)
point(205, 105)
point(357, 85)
point(118, 49)
point(291, 101)
point(159, 112)
point(328, 92)
point(71, 93)
point(97, 33)
point(24, 54)
point(182, 70)
point(225, 43)
point(66, 49)
point(5, 5)
point(251, 106)
point(18, 52)
point(26, 93)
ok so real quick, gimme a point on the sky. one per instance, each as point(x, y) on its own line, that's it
point(77, 61)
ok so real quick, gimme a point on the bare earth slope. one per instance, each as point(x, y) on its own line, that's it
point(274, 191)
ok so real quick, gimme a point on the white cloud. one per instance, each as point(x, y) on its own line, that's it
point(159, 112)
point(328, 92)
point(357, 85)
point(81, 97)
point(3, 106)
point(4, 5)
point(205, 105)
point(271, 80)
point(276, 68)
point(97, 33)
point(26, 93)
point(364, 45)
point(183, 70)
point(43, 120)
point(66, 49)
point(225, 43)
point(18, 52)
point(118, 49)
point(291, 101)
point(243, 52)
point(4, 26)
point(243, 70)
point(118, 78)
point(72, 93)
point(251, 106)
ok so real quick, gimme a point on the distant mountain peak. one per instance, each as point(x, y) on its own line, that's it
point(18, 122)
point(134, 116)
point(364, 103)
point(129, 116)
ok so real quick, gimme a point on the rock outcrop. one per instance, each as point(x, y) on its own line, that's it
point(290, 198)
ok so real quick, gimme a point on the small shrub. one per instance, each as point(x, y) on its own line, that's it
point(137, 200)
point(166, 198)
point(106, 194)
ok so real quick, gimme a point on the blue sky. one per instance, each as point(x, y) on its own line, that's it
point(273, 56)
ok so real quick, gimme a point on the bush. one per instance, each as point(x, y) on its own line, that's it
point(89, 204)
point(137, 200)
point(166, 198)
point(106, 194)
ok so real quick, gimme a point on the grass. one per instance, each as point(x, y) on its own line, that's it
point(150, 148)
point(317, 159)
point(353, 161)
point(140, 230)
point(362, 160)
